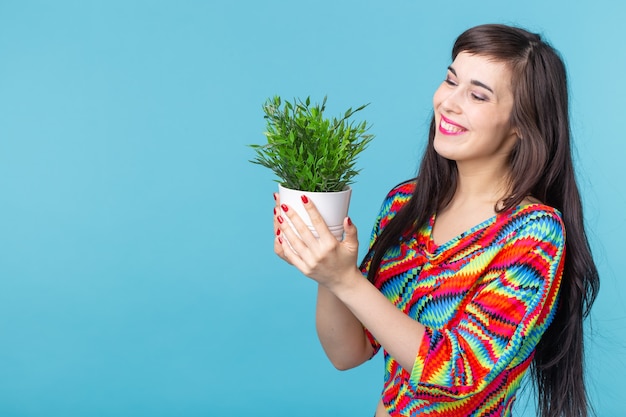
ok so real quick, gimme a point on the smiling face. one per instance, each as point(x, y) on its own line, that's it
point(472, 113)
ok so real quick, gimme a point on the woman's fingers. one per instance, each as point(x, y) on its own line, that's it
point(316, 219)
point(294, 230)
point(278, 235)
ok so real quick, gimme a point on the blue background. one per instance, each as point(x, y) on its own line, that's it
point(137, 276)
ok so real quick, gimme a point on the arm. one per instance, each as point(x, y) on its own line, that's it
point(496, 330)
point(398, 333)
point(340, 332)
point(333, 265)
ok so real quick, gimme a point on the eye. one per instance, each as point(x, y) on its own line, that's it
point(479, 97)
point(450, 81)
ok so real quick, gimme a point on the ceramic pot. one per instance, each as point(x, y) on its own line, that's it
point(333, 206)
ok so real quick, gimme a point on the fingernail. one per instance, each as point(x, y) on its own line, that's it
point(274, 195)
point(284, 207)
point(349, 221)
point(280, 240)
point(277, 232)
point(304, 199)
point(280, 219)
point(274, 211)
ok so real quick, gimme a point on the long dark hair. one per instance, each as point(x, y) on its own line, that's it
point(541, 166)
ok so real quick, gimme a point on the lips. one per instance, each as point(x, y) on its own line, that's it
point(448, 127)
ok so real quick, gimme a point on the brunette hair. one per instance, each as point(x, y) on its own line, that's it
point(541, 166)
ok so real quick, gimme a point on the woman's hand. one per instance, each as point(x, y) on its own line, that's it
point(324, 259)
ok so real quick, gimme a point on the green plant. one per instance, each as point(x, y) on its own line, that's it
point(307, 151)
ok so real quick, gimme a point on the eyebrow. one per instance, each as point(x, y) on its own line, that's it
point(474, 82)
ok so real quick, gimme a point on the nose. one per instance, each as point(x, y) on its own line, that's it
point(451, 101)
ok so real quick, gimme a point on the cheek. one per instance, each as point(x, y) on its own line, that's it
point(438, 97)
point(500, 126)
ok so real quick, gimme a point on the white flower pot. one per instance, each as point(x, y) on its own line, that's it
point(333, 206)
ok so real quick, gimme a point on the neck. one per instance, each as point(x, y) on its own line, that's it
point(481, 184)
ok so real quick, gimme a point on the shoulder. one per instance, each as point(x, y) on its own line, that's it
point(400, 194)
point(535, 221)
point(395, 199)
point(537, 212)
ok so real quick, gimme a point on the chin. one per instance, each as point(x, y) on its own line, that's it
point(443, 150)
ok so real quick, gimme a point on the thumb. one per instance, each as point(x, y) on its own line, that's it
point(350, 237)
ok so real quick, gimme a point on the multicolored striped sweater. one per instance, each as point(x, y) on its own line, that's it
point(485, 298)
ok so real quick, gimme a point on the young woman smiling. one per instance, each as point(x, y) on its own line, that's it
point(470, 280)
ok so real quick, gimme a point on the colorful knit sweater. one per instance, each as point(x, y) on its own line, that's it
point(485, 298)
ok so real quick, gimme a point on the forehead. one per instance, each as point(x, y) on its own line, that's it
point(483, 68)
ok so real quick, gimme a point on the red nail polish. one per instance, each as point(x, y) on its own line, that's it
point(284, 207)
point(277, 232)
point(280, 241)
point(274, 211)
point(274, 195)
point(304, 199)
point(349, 221)
point(280, 219)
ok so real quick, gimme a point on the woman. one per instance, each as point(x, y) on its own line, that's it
point(470, 282)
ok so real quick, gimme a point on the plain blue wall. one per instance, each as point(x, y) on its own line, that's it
point(137, 276)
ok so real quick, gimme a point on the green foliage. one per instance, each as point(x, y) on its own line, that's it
point(307, 151)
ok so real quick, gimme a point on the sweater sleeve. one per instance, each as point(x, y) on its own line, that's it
point(392, 203)
point(502, 319)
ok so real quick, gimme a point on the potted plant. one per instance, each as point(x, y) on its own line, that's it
point(314, 155)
